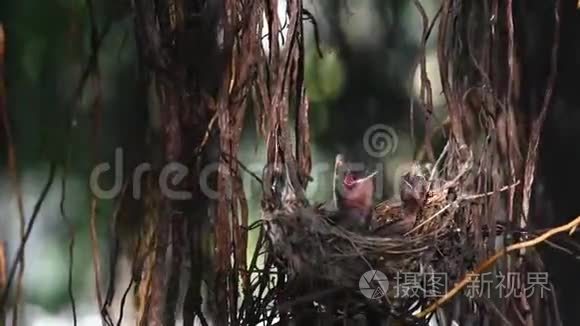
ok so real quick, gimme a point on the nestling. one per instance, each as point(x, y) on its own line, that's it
point(353, 191)
point(413, 192)
point(402, 216)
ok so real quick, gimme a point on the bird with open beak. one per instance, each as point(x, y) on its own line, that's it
point(353, 194)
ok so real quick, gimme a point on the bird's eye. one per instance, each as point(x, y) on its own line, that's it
point(349, 180)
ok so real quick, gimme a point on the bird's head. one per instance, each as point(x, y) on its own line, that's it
point(413, 191)
point(353, 185)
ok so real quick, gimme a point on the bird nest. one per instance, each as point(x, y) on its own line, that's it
point(320, 255)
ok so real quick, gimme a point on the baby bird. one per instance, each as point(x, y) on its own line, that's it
point(353, 194)
point(402, 216)
point(413, 192)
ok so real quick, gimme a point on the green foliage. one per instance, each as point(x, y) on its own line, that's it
point(324, 76)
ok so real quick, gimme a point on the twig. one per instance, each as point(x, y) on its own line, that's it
point(123, 299)
point(95, 251)
point(309, 17)
point(561, 248)
point(244, 167)
point(490, 261)
point(426, 93)
point(538, 123)
point(71, 230)
point(489, 193)
point(430, 218)
point(22, 245)
point(13, 169)
point(95, 44)
point(206, 135)
point(432, 25)
point(471, 197)
point(438, 162)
